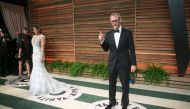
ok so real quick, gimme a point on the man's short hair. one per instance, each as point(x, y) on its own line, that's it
point(25, 28)
point(116, 14)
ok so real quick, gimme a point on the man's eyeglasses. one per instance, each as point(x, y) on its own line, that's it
point(113, 21)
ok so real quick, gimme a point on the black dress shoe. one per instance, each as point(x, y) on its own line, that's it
point(3, 75)
point(124, 107)
point(110, 106)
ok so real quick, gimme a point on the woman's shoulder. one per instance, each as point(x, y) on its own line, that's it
point(42, 36)
point(39, 36)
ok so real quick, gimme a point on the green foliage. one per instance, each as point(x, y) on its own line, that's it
point(48, 65)
point(56, 64)
point(59, 65)
point(66, 66)
point(76, 69)
point(155, 74)
point(100, 70)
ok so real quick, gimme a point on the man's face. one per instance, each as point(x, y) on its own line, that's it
point(24, 31)
point(115, 21)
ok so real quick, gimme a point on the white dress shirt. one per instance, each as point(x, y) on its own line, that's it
point(117, 36)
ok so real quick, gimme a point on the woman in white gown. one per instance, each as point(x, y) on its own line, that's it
point(41, 82)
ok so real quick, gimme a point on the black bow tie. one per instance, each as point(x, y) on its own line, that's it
point(116, 30)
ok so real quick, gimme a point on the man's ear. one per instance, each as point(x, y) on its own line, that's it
point(120, 19)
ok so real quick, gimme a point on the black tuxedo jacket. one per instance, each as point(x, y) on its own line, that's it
point(124, 55)
point(3, 46)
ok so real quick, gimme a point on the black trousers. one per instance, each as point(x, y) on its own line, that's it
point(3, 64)
point(124, 78)
point(12, 65)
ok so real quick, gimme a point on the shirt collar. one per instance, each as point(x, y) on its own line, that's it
point(120, 27)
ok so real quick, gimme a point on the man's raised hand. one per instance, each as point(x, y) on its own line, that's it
point(101, 36)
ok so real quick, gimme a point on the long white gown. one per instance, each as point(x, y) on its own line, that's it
point(41, 83)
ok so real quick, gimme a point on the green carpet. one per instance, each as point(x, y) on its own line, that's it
point(20, 103)
point(93, 98)
point(143, 92)
point(90, 98)
point(2, 81)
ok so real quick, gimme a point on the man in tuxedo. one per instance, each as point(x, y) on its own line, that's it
point(3, 54)
point(122, 58)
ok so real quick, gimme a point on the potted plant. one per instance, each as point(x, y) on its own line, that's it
point(154, 74)
point(48, 65)
point(64, 68)
point(99, 70)
point(76, 69)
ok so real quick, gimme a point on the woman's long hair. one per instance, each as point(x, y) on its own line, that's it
point(38, 27)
